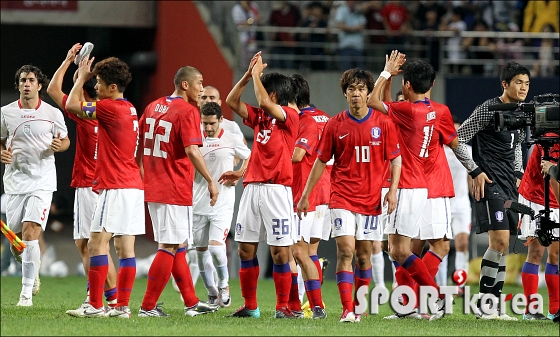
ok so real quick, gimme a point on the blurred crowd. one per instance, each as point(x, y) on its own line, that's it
point(394, 21)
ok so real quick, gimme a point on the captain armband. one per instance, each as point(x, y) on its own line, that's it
point(89, 109)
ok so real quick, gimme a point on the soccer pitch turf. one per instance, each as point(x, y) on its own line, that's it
point(47, 316)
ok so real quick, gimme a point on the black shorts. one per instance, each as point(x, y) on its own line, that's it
point(491, 214)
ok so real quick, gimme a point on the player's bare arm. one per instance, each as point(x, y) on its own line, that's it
point(393, 64)
point(233, 99)
point(198, 162)
point(314, 176)
point(60, 145)
point(298, 154)
point(73, 104)
point(55, 86)
point(391, 196)
point(263, 98)
point(230, 178)
point(6, 154)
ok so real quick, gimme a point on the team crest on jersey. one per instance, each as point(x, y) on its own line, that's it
point(27, 129)
point(212, 156)
point(500, 216)
point(238, 228)
point(375, 132)
point(337, 223)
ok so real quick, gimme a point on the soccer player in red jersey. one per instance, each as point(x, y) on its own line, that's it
point(120, 205)
point(531, 193)
point(416, 122)
point(361, 141)
point(266, 206)
point(82, 174)
point(302, 161)
point(321, 225)
point(170, 137)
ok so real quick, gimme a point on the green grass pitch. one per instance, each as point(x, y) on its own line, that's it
point(47, 316)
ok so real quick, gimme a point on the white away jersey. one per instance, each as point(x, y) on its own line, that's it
point(218, 155)
point(231, 127)
point(30, 133)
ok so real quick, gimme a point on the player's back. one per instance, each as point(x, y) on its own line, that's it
point(307, 139)
point(416, 122)
point(322, 189)
point(168, 125)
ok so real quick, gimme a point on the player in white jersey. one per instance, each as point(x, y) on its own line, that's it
point(31, 132)
point(211, 224)
point(460, 213)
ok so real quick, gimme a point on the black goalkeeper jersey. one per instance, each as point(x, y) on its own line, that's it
point(498, 154)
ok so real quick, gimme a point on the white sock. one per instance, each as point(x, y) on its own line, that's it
point(193, 265)
point(219, 257)
point(30, 261)
point(441, 276)
point(206, 268)
point(378, 269)
point(462, 261)
point(394, 270)
point(301, 285)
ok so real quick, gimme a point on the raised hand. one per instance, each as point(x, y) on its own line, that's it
point(84, 68)
point(71, 56)
point(394, 62)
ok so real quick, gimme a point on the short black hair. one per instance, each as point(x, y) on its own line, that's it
point(113, 71)
point(89, 87)
point(358, 76)
point(420, 74)
point(211, 109)
point(42, 79)
point(281, 85)
point(512, 69)
point(456, 119)
point(301, 88)
point(399, 93)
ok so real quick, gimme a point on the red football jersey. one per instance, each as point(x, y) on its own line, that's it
point(117, 144)
point(360, 149)
point(273, 146)
point(416, 122)
point(86, 149)
point(436, 167)
point(322, 191)
point(532, 184)
point(307, 139)
point(168, 125)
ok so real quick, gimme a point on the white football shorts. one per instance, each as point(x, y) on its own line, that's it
point(214, 227)
point(172, 224)
point(528, 226)
point(435, 222)
point(362, 227)
point(266, 213)
point(84, 205)
point(31, 207)
point(120, 211)
point(405, 219)
point(321, 227)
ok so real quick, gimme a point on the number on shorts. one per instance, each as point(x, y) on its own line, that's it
point(158, 137)
point(372, 222)
point(283, 224)
point(226, 231)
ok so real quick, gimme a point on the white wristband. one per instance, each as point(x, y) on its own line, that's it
point(385, 74)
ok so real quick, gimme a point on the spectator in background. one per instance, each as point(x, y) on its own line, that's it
point(481, 49)
point(314, 42)
point(426, 6)
point(455, 52)
point(509, 48)
point(545, 57)
point(285, 15)
point(351, 23)
point(246, 14)
point(374, 21)
point(539, 13)
point(429, 24)
point(396, 22)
